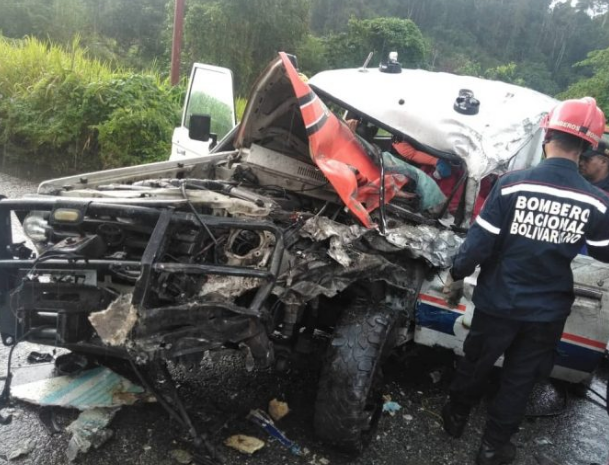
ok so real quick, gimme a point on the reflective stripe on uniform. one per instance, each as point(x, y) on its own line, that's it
point(486, 225)
point(598, 243)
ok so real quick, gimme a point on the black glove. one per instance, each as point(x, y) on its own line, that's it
point(453, 290)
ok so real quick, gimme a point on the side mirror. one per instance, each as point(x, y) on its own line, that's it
point(200, 127)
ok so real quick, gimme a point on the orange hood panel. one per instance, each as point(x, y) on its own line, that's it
point(339, 155)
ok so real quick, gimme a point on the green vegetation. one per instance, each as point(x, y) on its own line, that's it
point(76, 88)
point(379, 35)
point(243, 35)
point(222, 121)
point(62, 110)
point(131, 32)
point(597, 84)
point(240, 107)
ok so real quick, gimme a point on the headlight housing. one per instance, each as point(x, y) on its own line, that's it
point(35, 226)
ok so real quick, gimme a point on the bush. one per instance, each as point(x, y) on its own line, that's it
point(134, 116)
point(62, 110)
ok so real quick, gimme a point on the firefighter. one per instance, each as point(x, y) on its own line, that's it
point(594, 165)
point(531, 227)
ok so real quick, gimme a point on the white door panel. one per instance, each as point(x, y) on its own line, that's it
point(183, 146)
point(210, 92)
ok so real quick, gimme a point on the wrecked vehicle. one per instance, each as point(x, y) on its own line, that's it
point(293, 229)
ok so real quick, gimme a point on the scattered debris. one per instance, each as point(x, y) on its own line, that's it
point(407, 417)
point(23, 448)
point(98, 393)
point(435, 376)
point(30, 373)
point(39, 357)
point(263, 420)
point(5, 420)
point(48, 419)
point(390, 406)
point(89, 430)
point(99, 387)
point(543, 442)
point(278, 409)
point(115, 323)
point(319, 461)
point(181, 456)
point(244, 444)
point(71, 364)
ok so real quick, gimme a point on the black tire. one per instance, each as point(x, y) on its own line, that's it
point(349, 397)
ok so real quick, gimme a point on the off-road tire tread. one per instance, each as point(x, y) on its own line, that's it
point(351, 369)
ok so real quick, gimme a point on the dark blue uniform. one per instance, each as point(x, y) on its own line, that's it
point(533, 224)
point(603, 184)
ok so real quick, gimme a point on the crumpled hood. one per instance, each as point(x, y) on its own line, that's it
point(283, 102)
point(419, 105)
point(285, 114)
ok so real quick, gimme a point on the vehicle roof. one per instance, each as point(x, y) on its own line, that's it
point(418, 104)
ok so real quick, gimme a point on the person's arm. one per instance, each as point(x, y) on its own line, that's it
point(407, 151)
point(481, 237)
point(352, 124)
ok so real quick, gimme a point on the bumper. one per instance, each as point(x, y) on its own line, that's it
point(56, 310)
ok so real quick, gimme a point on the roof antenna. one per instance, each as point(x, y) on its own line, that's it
point(365, 65)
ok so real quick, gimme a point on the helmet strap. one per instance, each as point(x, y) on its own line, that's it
point(543, 150)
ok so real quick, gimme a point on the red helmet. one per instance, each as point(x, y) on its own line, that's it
point(581, 118)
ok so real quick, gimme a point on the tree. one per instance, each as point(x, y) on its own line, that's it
point(114, 30)
point(312, 55)
point(597, 85)
point(243, 35)
point(378, 35)
point(136, 25)
point(505, 73)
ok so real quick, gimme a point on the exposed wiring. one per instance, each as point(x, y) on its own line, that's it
point(197, 216)
point(604, 406)
point(322, 210)
point(283, 189)
point(175, 408)
point(382, 195)
point(440, 278)
point(6, 390)
point(603, 398)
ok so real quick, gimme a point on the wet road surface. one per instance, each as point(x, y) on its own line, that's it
point(219, 393)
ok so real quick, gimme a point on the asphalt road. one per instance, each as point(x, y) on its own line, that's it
point(219, 394)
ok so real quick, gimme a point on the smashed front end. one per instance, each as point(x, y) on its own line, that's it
point(250, 248)
point(116, 279)
point(296, 230)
